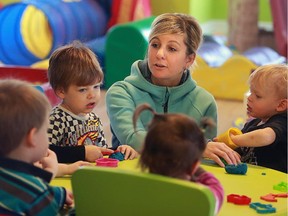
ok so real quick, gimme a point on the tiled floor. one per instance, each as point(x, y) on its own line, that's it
point(229, 111)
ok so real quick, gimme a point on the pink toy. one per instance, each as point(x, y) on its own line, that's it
point(107, 162)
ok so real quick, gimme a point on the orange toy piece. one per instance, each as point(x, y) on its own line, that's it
point(225, 137)
point(272, 197)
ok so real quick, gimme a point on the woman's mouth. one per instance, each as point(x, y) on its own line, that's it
point(159, 65)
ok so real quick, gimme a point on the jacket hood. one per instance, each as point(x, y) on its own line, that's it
point(140, 78)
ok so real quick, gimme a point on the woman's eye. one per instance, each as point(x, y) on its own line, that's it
point(172, 49)
point(154, 45)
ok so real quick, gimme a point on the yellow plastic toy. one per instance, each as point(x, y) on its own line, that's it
point(44, 64)
point(36, 32)
point(225, 137)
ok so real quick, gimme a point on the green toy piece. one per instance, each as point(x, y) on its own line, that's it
point(282, 186)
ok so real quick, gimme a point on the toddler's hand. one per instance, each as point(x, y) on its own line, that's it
point(93, 152)
point(128, 151)
point(69, 198)
point(69, 169)
point(49, 163)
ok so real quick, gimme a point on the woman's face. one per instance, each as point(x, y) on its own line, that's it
point(167, 59)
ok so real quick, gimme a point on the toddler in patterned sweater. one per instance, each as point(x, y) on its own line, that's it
point(75, 131)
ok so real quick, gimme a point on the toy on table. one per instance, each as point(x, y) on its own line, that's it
point(240, 169)
point(108, 153)
point(107, 162)
point(238, 200)
point(239, 122)
point(282, 186)
point(262, 208)
point(117, 155)
point(226, 137)
point(272, 197)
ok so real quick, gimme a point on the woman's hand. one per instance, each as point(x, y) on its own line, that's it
point(218, 150)
point(128, 151)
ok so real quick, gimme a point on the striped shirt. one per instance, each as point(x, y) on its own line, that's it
point(25, 190)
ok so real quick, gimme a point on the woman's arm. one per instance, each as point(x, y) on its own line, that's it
point(120, 109)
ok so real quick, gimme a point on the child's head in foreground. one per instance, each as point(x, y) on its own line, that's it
point(24, 115)
point(173, 146)
point(268, 91)
point(75, 75)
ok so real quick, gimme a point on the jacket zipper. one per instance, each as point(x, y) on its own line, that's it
point(165, 104)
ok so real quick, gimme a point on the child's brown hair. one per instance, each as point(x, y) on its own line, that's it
point(173, 144)
point(23, 107)
point(73, 64)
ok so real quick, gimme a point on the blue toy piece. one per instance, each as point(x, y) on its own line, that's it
point(117, 155)
point(262, 208)
point(236, 169)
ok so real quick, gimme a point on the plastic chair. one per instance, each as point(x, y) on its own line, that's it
point(109, 191)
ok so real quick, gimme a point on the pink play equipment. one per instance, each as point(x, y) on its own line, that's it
point(279, 14)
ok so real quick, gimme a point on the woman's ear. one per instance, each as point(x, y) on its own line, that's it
point(60, 93)
point(190, 60)
point(282, 106)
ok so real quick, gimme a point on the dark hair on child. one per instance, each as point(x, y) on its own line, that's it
point(173, 144)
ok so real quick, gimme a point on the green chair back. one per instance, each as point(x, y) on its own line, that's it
point(125, 44)
point(109, 191)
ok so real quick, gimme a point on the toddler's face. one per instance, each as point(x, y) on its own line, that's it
point(81, 99)
point(262, 102)
point(41, 140)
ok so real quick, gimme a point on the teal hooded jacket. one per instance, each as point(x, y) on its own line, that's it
point(124, 96)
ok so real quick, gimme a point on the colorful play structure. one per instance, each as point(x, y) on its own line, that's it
point(117, 31)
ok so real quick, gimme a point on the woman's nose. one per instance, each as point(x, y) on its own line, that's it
point(160, 53)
